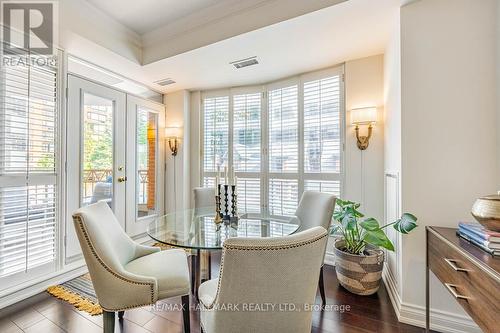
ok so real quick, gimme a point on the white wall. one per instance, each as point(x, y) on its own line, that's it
point(498, 87)
point(448, 125)
point(195, 147)
point(364, 84)
point(392, 148)
point(177, 194)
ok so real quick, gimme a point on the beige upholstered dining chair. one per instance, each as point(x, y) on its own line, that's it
point(281, 273)
point(204, 197)
point(316, 209)
point(124, 273)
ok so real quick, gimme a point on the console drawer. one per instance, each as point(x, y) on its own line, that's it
point(476, 291)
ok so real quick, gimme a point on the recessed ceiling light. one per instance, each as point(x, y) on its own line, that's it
point(245, 62)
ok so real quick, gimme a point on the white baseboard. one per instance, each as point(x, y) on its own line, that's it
point(22, 292)
point(413, 314)
point(329, 259)
point(392, 290)
point(441, 321)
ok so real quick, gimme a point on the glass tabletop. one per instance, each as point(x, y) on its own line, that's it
point(195, 228)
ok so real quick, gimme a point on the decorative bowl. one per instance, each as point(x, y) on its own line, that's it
point(486, 210)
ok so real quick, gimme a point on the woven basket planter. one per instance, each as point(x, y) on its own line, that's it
point(360, 274)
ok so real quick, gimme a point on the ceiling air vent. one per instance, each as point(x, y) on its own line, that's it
point(245, 62)
point(164, 82)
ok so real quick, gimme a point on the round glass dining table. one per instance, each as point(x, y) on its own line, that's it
point(195, 229)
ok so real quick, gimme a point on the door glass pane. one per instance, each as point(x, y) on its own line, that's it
point(147, 147)
point(97, 178)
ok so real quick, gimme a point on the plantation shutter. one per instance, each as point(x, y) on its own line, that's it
point(322, 125)
point(322, 134)
point(28, 188)
point(283, 125)
point(215, 136)
point(247, 150)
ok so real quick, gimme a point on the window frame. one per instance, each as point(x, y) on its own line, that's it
point(264, 89)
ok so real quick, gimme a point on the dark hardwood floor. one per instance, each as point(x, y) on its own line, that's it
point(43, 313)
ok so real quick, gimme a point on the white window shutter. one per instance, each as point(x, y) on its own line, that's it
point(283, 196)
point(283, 130)
point(247, 132)
point(322, 125)
point(332, 187)
point(215, 133)
point(247, 110)
point(28, 189)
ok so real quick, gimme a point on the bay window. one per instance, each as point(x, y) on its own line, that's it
point(281, 138)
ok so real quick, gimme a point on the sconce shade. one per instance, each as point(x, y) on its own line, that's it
point(363, 116)
point(173, 132)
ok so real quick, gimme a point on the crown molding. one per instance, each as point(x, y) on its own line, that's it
point(214, 24)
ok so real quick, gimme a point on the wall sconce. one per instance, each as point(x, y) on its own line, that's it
point(173, 134)
point(363, 116)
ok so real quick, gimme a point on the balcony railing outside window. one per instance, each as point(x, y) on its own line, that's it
point(105, 176)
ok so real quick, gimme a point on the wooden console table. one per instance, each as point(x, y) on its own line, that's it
point(471, 275)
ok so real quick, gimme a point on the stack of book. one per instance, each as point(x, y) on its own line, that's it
point(485, 239)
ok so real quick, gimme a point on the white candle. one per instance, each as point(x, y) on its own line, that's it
point(225, 176)
point(232, 176)
point(235, 185)
point(216, 184)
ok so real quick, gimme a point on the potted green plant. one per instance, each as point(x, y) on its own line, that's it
point(358, 256)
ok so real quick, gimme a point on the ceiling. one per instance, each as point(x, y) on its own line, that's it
point(147, 15)
point(350, 30)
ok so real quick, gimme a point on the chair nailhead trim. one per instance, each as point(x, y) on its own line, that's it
point(233, 247)
point(79, 221)
point(276, 247)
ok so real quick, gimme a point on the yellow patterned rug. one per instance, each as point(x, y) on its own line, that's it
point(79, 292)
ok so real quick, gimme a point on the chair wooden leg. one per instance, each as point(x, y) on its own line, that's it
point(197, 271)
point(108, 321)
point(209, 265)
point(321, 285)
point(185, 314)
point(120, 315)
point(193, 273)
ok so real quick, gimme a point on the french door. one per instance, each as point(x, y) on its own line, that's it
point(114, 154)
point(145, 163)
point(95, 151)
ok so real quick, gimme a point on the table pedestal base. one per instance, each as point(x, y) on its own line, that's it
point(196, 278)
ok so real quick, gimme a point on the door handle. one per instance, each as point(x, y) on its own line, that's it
point(122, 179)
